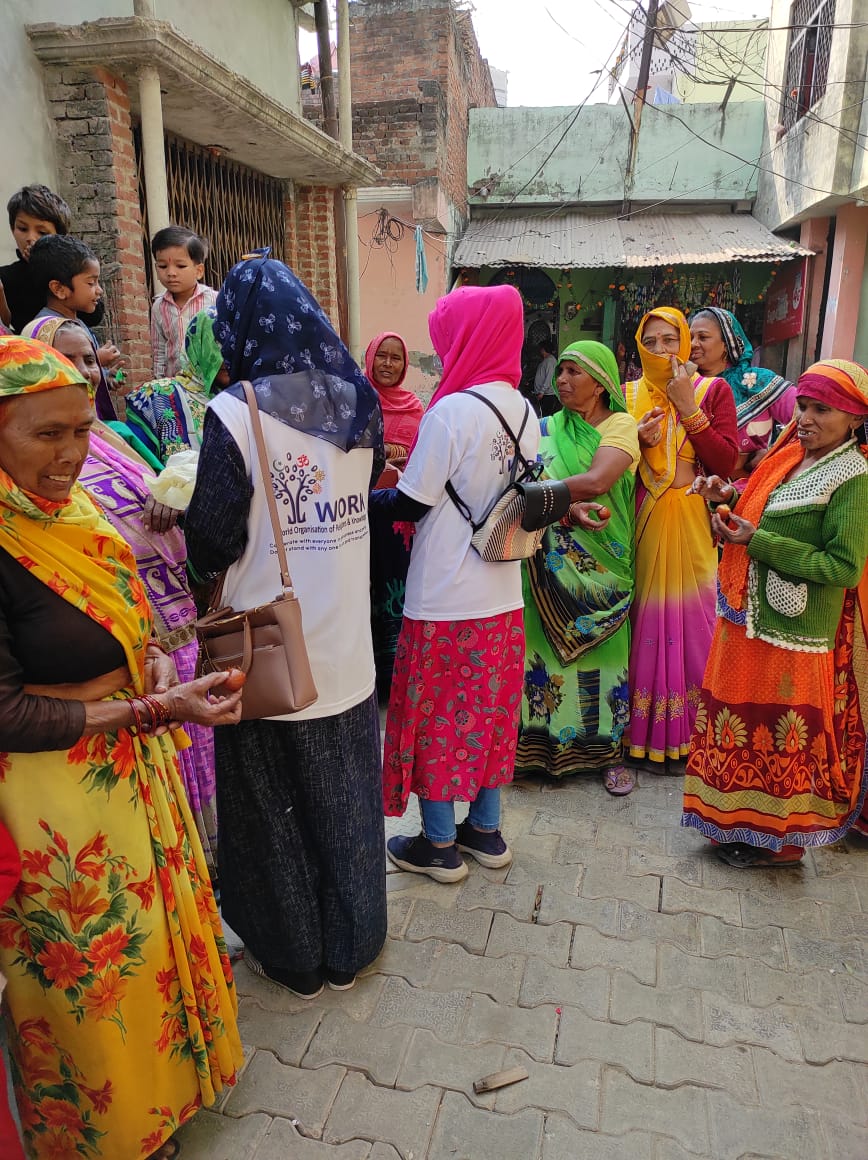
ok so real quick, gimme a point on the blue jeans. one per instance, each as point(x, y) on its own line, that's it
point(438, 818)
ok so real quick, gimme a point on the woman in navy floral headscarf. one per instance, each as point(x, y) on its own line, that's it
point(299, 796)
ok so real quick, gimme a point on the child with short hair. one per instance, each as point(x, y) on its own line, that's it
point(179, 255)
point(35, 212)
point(66, 272)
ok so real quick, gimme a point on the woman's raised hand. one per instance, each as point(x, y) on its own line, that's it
point(713, 489)
point(680, 388)
point(195, 702)
point(589, 515)
point(649, 427)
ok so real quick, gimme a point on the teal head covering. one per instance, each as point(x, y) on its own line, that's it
point(202, 350)
point(753, 388)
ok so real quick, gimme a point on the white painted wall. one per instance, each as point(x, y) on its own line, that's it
point(256, 38)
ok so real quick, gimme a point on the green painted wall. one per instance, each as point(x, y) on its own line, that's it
point(681, 153)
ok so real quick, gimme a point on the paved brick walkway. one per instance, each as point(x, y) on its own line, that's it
point(666, 1007)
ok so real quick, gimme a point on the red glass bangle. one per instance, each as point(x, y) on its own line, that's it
point(136, 726)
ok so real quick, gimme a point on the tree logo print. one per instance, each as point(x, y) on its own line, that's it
point(295, 480)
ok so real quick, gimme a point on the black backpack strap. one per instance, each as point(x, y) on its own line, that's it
point(517, 460)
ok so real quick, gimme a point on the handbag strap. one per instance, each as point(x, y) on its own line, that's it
point(259, 439)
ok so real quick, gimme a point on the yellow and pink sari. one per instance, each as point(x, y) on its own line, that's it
point(673, 610)
point(120, 1000)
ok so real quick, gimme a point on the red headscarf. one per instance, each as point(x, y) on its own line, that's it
point(478, 332)
point(838, 383)
point(402, 410)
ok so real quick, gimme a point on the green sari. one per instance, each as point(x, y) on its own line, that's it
point(577, 596)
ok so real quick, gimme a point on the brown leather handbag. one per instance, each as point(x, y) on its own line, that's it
point(266, 643)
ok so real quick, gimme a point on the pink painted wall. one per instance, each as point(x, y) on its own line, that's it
point(845, 284)
point(389, 300)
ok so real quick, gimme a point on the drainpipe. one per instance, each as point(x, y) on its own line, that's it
point(351, 203)
point(153, 148)
point(330, 125)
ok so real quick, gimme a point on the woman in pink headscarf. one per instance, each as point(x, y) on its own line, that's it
point(386, 364)
point(454, 707)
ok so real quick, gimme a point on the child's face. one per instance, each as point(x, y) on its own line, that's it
point(177, 271)
point(84, 294)
point(26, 230)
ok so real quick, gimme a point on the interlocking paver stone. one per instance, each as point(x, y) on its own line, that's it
point(680, 1009)
point(679, 1112)
point(627, 1046)
point(790, 1133)
point(454, 968)
point(720, 976)
point(562, 1140)
point(637, 922)
point(558, 906)
point(342, 1040)
point(573, 1090)
point(805, 953)
point(678, 1061)
point(766, 944)
point(795, 988)
point(533, 1028)
point(532, 871)
point(832, 1087)
point(399, 913)
point(641, 860)
point(643, 889)
point(854, 998)
point(283, 1141)
point(430, 1061)
point(551, 943)
point(805, 914)
point(579, 829)
point(773, 1027)
point(468, 927)
point(678, 896)
point(411, 961)
point(565, 987)
point(287, 1037)
point(280, 1090)
point(440, 1011)
point(844, 1139)
point(212, 1137)
point(464, 1132)
point(591, 949)
point(365, 1111)
point(823, 1040)
point(477, 893)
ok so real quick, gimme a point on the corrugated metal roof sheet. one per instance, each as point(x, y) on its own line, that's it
point(577, 240)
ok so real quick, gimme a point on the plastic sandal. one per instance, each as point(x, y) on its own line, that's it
point(619, 780)
point(752, 858)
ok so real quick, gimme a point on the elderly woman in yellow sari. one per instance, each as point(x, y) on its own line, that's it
point(687, 427)
point(120, 1001)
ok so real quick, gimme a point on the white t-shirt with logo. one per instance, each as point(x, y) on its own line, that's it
point(322, 502)
point(462, 440)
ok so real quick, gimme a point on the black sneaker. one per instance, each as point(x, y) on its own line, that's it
point(304, 984)
point(339, 980)
point(489, 849)
point(419, 856)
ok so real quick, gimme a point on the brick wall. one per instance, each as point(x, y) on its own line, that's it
point(97, 176)
point(416, 71)
point(310, 244)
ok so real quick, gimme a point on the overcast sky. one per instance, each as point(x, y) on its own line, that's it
point(551, 65)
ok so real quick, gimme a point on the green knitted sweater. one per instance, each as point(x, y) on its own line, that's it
point(810, 547)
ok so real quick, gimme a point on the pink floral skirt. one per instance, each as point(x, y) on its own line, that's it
point(453, 718)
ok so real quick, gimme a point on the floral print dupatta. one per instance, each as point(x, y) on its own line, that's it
point(120, 996)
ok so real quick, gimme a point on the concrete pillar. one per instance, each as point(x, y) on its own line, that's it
point(351, 205)
point(800, 350)
point(153, 148)
point(845, 283)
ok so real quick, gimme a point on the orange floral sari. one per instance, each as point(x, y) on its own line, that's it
point(120, 997)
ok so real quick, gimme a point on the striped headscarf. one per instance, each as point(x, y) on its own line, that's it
point(28, 366)
point(837, 383)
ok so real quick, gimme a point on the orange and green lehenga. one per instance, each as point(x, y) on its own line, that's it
point(120, 1003)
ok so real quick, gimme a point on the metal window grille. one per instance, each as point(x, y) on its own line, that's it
point(236, 208)
point(807, 66)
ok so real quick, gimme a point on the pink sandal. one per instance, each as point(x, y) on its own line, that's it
point(619, 780)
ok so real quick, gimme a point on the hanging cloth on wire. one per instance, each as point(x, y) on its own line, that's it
point(421, 263)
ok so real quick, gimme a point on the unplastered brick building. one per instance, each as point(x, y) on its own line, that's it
point(416, 72)
point(141, 112)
